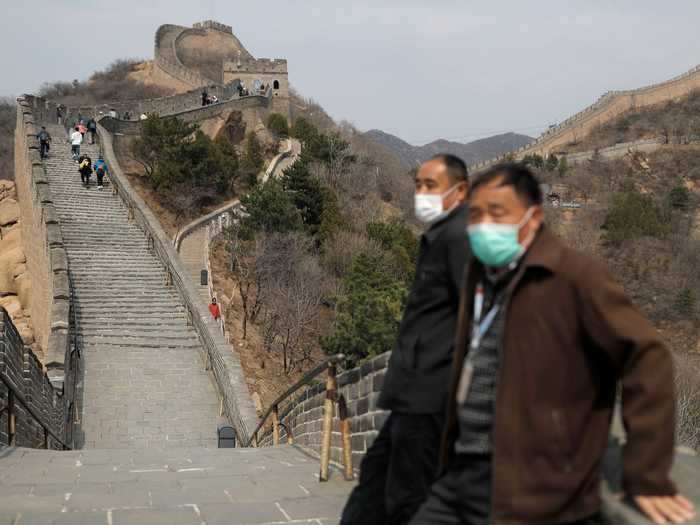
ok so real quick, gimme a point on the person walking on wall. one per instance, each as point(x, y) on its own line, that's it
point(76, 139)
point(214, 309)
point(92, 128)
point(100, 171)
point(85, 169)
point(544, 337)
point(44, 139)
point(400, 465)
point(82, 128)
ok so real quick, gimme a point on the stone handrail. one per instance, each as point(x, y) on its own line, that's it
point(276, 161)
point(218, 355)
point(230, 207)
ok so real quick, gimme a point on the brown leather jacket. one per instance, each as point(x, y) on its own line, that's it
point(570, 335)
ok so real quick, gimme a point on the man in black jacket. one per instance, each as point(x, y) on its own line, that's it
point(401, 464)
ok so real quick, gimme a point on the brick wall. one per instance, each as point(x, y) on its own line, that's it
point(21, 371)
point(47, 262)
point(360, 388)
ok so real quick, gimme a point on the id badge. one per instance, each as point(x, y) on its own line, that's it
point(465, 380)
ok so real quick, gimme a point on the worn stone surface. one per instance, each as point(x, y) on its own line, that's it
point(169, 486)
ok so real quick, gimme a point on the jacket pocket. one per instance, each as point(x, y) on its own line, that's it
point(563, 440)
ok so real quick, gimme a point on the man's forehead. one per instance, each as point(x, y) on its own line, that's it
point(431, 168)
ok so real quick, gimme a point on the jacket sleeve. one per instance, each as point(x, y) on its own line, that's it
point(646, 369)
point(457, 257)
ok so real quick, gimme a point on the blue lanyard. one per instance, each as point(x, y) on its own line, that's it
point(481, 326)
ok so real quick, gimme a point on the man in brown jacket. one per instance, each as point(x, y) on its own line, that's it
point(544, 336)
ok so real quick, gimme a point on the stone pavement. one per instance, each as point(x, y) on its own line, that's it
point(193, 255)
point(145, 384)
point(274, 485)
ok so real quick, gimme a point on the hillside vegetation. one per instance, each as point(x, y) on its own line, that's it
point(111, 84)
point(640, 214)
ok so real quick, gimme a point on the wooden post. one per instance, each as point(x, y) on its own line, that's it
point(46, 438)
point(130, 215)
point(345, 438)
point(275, 426)
point(327, 424)
point(255, 440)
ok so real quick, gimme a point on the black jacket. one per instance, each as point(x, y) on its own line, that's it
point(419, 367)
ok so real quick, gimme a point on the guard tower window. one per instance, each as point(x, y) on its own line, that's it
point(276, 84)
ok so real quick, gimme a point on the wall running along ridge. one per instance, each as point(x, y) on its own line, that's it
point(165, 56)
point(47, 262)
point(163, 106)
point(606, 108)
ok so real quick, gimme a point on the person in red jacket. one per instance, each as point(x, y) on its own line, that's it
point(214, 309)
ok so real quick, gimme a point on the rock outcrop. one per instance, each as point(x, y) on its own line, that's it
point(15, 285)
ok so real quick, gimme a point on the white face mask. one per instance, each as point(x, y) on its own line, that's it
point(429, 208)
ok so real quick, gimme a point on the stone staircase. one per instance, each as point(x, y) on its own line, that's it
point(145, 384)
point(193, 486)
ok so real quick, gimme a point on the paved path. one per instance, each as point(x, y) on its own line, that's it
point(275, 485)
point(193, 255)
point(144, 381)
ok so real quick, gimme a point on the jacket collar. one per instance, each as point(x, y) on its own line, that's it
point(545, 252)
point(458, 214)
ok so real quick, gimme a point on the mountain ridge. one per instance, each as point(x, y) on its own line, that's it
point(471, 152)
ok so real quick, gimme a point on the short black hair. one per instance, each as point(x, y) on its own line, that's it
point(515, 174)
point(456, 168)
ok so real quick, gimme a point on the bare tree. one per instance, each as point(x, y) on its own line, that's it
point(242, 266)
point(294, 284)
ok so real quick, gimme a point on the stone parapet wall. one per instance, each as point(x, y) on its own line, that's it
point(47, 262)
point(360, 389)
point(218, 355)
point(212, 24)
point(171, 105)
point(165, 56)
point(22, 373)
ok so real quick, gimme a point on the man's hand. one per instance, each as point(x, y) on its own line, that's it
point(666, 509)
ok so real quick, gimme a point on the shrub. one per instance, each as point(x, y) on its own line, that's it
point(270, 209)
point(632, 215)
point(277, 124)
point(679, 198)
point(253, 159)
point(369, 310)
point(685, 302)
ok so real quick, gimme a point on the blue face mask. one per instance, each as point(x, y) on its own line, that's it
point(496, 245)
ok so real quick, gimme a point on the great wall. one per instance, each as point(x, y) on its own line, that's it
point(609, 106)
point(139, 383)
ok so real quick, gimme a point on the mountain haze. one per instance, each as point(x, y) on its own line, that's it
point(471, 152)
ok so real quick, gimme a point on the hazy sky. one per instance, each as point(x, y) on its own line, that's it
point(457, 69)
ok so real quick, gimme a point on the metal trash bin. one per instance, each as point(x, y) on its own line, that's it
point(226, 435)
point(203, 277)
